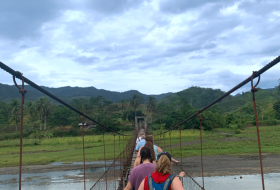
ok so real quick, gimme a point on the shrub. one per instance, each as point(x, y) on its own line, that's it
point(37, 142)
point(237, 132)
point(267, 122)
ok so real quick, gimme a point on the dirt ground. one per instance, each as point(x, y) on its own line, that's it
point(230, 165)
point(213, 166)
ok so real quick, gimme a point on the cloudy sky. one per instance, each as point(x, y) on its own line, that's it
point(154, 46)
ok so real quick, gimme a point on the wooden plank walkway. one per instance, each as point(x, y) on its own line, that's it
point(126, 171)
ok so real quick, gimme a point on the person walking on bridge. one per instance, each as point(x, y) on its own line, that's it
point(138, 173)
point(162, 179)
point(157, 150)
point(140, 138)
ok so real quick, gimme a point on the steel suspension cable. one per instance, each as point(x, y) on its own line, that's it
point(26, 80)
point(181, 151)
point(123, 152)
point(201, 156)
point(181, 147)
point(253, 90)
point(105, 158)
point(22, 91)
point(83, 122)
point(114, 160)
point(120, 154)
point(170, 142)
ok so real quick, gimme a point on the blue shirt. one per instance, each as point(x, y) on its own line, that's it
point(141, 143)
point(156, 152)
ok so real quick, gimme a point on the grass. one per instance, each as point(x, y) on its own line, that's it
point(69, 149)
point(216, 143)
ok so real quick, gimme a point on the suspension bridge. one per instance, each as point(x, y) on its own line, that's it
point(117, 172)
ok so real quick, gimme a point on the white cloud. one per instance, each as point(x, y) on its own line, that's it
point(153, 46)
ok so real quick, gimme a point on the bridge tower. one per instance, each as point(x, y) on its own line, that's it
point(138, 125)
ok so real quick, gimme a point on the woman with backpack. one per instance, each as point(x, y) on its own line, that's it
point(162, 179)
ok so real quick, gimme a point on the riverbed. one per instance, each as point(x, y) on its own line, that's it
point(73, 180)
point(221, 172)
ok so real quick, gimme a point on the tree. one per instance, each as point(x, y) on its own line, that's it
point(123, 104)
point(47, 112)
point(98, 105)
point(131, 115)
point(276, 106)
point(135, 101)
point(151, 106)
point(4, 113)
point(95, 104)
point(278, 88)
point(230, 118)
point(160, 110)
point(44, 107)
point(81, 104)
point(39, 104)
point(14, 108)
point(31, 111)
point(62, 115)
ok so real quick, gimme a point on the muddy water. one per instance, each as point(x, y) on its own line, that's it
point(246, 182)
point(74, 180)
point(50, 180)
point(75, 163)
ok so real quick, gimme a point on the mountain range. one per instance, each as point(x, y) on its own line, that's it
point(196, 96)
point(67, 93)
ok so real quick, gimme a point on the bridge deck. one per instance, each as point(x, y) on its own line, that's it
point(124, 180)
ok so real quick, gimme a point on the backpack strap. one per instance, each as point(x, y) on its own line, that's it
point(150, 183)
point(168, 182)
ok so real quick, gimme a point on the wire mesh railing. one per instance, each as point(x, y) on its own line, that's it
point(115, 175)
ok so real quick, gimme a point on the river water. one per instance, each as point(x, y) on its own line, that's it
point(73, 179)
point(247, 182)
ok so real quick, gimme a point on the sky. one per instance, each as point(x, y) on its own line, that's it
point(153, 46)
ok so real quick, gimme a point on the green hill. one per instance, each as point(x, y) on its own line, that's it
point(8, 92)
point(199, 97)
point(196, 96)
point(262, 97)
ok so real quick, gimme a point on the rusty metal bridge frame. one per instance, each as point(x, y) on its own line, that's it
point(127, 156)
point(137, 124)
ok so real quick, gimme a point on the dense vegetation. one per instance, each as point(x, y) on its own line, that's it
point(42, 118)
point(226, 125)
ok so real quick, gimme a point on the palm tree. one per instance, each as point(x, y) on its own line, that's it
point(151, 105)
point(14, 108)
point(135, 101)
point(47, 112)
point(123, 107)
point(123, 104)
point(44, 107)
point(40, 104)
point(31, 110)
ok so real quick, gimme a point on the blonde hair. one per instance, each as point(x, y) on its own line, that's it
point(163, 165)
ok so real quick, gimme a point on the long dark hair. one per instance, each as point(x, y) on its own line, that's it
point(145, 153)
point(151, 147)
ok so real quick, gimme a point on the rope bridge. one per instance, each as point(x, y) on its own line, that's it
point(116, 174)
